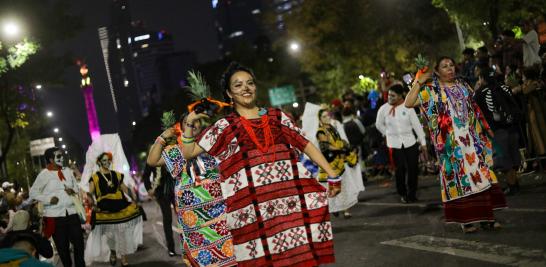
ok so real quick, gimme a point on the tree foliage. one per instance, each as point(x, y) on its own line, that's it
point(22, 65)
point(343, 39)
point(484, 19)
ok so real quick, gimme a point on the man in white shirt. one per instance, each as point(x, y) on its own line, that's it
point(530, 46)
point(54, 187)
point(398, 124)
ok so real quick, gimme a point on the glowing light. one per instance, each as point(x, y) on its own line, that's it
point(295, 105)
point(214, 3)
point(126, 83)
point(56, 130)
point(60, 139)
point(144, 46)
point(63, 146)
point(38, 86)
point(361, 77)
point(49, 114)
point(11, 29)
point(294, 47)
point(134, 123)
point(142, 37)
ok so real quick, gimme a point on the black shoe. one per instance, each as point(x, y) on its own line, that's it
point(172, 253)
point(336, 214)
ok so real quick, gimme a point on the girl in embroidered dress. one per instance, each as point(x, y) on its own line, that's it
point(459, 133)
point(200, 207)
point(277, 213)
point(115, 219)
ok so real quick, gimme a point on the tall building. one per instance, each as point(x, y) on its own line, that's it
point(135, 59)
point(250, 21)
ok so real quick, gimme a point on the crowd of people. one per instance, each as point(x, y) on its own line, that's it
point(258, 185)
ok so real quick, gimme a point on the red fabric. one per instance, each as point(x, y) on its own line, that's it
point(392, 111)
point(54, 167)
point(475, 208)
point(48, 227)
point(244, 161)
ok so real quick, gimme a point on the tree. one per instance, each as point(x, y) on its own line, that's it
point(344, 39)
point(482, 19)
point(22, 65)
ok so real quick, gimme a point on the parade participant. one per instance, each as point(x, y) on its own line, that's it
point(54, 187)
point(162, 189)
point(115, 218)
point(459, 131)
point(200, 206)
point(270, 196)
point(398, 123)
point(333, 143)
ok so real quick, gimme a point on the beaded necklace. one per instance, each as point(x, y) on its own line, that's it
point(457, 98)
point(263, 124)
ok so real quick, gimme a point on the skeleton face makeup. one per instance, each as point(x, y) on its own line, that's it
point(59, 158)
point(105, 162)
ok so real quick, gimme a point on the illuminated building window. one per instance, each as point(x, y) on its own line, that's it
point(256, 11)
point(142, 37)
point(118, 44)
point(214, 3)
point(144, 46)
point(125, 83)
point(122, 59)
point(135, 54)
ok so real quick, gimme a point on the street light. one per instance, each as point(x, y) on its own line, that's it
point(56, 130)
point(361, 77)
point(38, 87)
point(63, 146)
point(134, 123)
point(295, 105)
point(11, 29)
point(49, 114)
point(294, 46)
point(60, 139)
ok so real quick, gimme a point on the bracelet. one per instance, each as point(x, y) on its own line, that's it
point(160, 140)
point(334, 180)
point(187, 140)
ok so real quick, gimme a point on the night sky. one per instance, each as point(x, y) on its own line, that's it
point(191, 23)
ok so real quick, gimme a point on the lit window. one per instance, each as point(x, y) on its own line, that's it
point(144, 46)
point(256, 11)
point(118, 43)
point(129, 40)
point(142, 37)
point(125, 83)
point(214, 3)
point(235, 34)
point(135, 54)
point(123, 7)
point(122, 59)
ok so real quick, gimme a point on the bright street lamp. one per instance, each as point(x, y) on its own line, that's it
point(294, 47)
point(56, 130)
point(134, 123)
point(49, 114)
point(295, 105)
point(361, 77)
point(38, 86)
point(60, 139)
point(63, 146)
point(11, 29)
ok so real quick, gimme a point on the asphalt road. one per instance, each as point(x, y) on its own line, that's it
point(385, 232)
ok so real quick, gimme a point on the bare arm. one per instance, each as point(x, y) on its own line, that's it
point(191, 149)
point(411, 99)
point(315, 155)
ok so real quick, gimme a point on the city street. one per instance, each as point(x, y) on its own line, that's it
point(385, 232)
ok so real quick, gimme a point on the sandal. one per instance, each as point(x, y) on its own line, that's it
point(113, 258)
point(124, 262)
point(469, 228)
point(494, 225)
point(347, 215)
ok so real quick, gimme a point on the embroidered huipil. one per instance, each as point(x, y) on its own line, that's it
point(276, 211)
point(200, 209)
point(458, 132)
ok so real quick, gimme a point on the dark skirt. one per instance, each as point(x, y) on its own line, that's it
point(475, 208)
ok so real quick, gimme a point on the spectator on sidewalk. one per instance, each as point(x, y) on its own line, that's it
point(531, 45)
point(503, 114)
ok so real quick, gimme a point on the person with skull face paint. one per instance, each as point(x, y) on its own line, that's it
point(398, 124)
point(54, 187)
point(115, 218)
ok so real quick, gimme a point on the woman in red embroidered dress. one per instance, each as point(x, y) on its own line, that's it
point(277, 213)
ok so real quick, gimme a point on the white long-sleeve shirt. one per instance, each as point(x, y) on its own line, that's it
point(48, 185)
point(398, 129)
